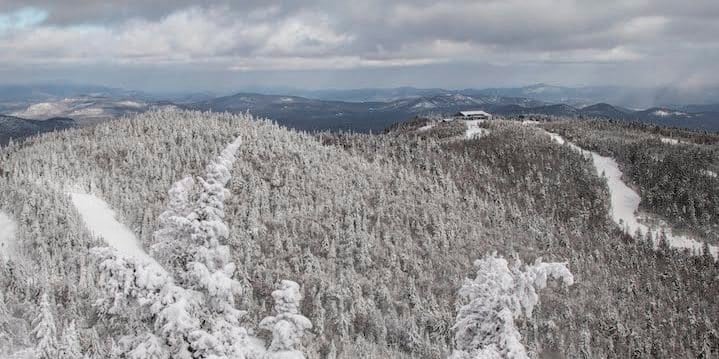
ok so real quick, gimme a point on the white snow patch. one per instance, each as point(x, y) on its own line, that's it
point(128, 103)
point(474, 131)
point(424, 104)
point(90, 111)
point(665, 113)
point(100, 219)
point(43, 110)
point(8, 227)
point(427, 127)
point(625, 203)
point(671, 141)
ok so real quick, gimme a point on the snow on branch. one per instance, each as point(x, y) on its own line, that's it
point(288, 326)
point(490, 302)
point(191, 302)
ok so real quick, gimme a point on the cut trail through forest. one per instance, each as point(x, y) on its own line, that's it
point(7, 234)
point(100, 219)
point(625, 203)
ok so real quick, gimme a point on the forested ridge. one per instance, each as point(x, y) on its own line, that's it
point(379, 231)
point(675, 170)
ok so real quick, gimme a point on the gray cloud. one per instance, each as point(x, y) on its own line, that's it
point(653, 42)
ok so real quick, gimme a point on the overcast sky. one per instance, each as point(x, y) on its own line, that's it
point(224, 45)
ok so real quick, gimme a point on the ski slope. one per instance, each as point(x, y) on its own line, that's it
point(100, 219)
point(7, 234)
point(625, 203)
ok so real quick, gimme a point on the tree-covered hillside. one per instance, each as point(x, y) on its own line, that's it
point(379, 231)
point(675, 170)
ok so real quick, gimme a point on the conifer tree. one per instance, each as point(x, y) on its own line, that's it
point(288, 325)
point(45, 331)
point(70, 343)
point(485, 325)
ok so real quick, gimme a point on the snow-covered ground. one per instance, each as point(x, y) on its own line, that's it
point(671, 141)
point(7, 234)
point(427, 127)
point(100, 219)
point(625, 203)
point(473, 129)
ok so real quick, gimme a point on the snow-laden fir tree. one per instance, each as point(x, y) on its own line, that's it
point(203, 262)
point(288, 325)
point(174, 224)
point(192, 303)
point(70, 343)
point(485, 326)
point(45, 331)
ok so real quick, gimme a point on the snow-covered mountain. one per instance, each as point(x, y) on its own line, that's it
point(313, 114)
point(86, 109)
point(188, 234)
point(625, 96)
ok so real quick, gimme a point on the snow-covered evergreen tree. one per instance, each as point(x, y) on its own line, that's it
point(70, 343)
point(193, 305)
point(288, 325)
point(45, 331)
point(170, 245)
point(485, 326)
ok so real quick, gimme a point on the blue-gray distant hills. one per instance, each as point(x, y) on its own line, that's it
point(313, 114)
point(20, 128)
point(358, 110)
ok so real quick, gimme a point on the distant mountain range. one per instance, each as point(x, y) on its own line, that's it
point(361, 110)
point(312, 114)
point(15, 98)
point(630, 97)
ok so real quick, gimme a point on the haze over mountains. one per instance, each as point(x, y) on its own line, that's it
point(359, 110)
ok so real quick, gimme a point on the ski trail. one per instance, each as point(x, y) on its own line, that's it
point(100, 219)
point(625, 203)
point(8, 227)
point(473, 129)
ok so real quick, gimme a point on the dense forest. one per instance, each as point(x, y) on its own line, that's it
point(387, 244)
point(675, 170)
